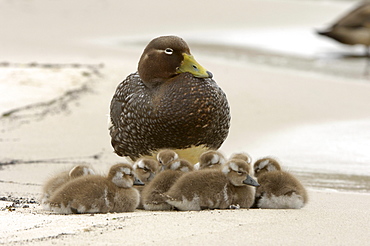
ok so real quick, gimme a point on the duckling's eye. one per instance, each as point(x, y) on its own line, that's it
point(168, 51)
point(240, 173)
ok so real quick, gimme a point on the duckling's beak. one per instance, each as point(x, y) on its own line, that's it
point(250, 181)
point(138, 182)
point(189, 64)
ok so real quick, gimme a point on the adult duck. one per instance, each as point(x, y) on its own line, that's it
point(171, 102)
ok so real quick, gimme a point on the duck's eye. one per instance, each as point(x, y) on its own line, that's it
point(240, 173)
point(168, 51)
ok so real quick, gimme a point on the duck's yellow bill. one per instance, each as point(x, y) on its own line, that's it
point(189, 64)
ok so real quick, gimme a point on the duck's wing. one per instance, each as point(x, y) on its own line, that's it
point(118, 117)
point(358, 17)
point(115, 115)
point(115, 112)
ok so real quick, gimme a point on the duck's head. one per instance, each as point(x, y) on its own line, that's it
point(243, 156)
point(146, 169)
point(211, 159)
point(180, 165)
point(123, 176)
point(165, 57)
point(266, 164)
point(81, 170)
point(166, 156)
point(237, 171)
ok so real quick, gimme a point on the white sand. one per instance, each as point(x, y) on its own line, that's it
point(329, 219)
point(278, 112)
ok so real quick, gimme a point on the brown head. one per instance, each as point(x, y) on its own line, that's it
point(211, 159)
point(81, 170)
point(243, 156)
point(146, 169)
point(266, 164)
point(237, 171)
point(166, 156)
point(165, 57)
point(123, 175)
point(180, 165)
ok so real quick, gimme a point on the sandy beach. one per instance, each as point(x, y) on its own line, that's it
point(330, 219)
point(316, 122)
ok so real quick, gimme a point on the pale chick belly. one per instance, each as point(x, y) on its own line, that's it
point(293, 201)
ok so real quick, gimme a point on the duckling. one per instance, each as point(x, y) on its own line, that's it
point(170, 102)
point(99, 194)
point(244, 195)
point(210, 159)
point(278, 189)
point(209, 189)
point(152, 198)
point(60, 179)
point(266, 164)
point(243, 156)
point(166, 156)
point(179, 165)
point(146, 169)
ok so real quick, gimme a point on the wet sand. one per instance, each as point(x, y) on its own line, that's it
point(275, 111)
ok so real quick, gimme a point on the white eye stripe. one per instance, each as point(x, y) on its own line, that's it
point(168, 51)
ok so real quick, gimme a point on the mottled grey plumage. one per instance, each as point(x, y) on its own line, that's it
point(177, 113)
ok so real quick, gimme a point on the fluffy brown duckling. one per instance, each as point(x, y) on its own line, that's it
point(278, 189)
point(62, 178)
point(166, 156)
point(210, 159)
point(266, 164)
point(152, 194)
point(171, 102)
point(99, 194)
point(243, 156)
point(146, 169)
point(243, 195)
point(209, 189)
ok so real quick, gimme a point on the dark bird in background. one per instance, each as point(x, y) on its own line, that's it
point(171, 102)
point(353, 28)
